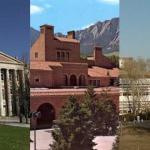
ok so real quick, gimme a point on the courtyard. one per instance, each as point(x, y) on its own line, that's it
point(44, 139)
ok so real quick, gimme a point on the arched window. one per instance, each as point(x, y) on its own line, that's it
point(73, 80)
point(65, 80)
point(81, 80)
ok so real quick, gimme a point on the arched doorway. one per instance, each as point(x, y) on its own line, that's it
point(81, 80)
point(73, 80)
point(47, 115)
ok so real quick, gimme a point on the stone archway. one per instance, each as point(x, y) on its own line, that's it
point(82, 80)
point(47, 115)
point(73, 80)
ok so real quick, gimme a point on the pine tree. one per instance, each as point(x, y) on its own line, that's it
point(73, 130)
point(102, 112)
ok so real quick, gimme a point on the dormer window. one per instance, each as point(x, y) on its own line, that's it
point(36, 55)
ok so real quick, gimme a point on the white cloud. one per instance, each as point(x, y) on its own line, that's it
point(87, 26)
point(112, 2)
point(35, 9)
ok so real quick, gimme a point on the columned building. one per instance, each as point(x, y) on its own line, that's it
point(11, 83)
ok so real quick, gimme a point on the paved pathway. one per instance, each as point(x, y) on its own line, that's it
point(13, 121)
point(44, 139)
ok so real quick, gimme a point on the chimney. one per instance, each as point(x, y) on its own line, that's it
point(71, 35)
point(97, 52)
point(47, 30)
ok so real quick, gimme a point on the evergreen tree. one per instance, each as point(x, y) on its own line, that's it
point(102, 112)
point(79, 123)
point(74, 129)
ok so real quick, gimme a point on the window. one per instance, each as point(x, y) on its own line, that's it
point(67, 56)
point(62, 55)
point(11, 90)
point(94, 82)
point(98, 83)
point(3, 93)
point(58, 55)
point(36, 55)
point(37, 80)
point(10, 76)
point(108, 74)
point(2, 75)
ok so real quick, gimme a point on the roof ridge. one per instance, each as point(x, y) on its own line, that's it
point(10, 57)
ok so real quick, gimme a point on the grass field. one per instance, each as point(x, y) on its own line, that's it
point(135, 138)
point(14, 138)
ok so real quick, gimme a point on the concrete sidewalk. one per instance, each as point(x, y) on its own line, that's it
point(44, 139)
point(13, 121)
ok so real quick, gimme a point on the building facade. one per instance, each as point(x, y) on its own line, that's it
point(11, 77)
point(57, 71)
point(128, 101)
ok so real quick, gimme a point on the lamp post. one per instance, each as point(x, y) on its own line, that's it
point(35, 115)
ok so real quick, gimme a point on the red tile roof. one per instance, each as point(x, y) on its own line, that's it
point(103, 72)
point(63, 39)
point(44, 65)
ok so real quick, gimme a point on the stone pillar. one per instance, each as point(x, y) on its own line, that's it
point(15, 90)
point(1, 100)
point(9, 94)
point(23, 78)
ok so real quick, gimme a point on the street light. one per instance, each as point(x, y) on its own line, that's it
point(35, 115)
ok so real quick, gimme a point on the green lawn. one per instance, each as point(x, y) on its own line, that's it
point(135, 138)
point(14, 138)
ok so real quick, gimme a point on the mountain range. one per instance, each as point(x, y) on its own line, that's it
point(104, 34)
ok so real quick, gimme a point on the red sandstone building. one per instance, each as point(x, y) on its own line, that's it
point(57, 71)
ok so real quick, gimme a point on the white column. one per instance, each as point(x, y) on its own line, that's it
point(9, 94)
point(16, 89)
point(1, 100)
point(23, 78)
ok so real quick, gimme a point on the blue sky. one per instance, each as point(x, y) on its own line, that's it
point(15, 27)
point(135, 28)
point(68, 15)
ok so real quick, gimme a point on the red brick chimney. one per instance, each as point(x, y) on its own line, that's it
point(71, 35)
point(48, 30)
point(97, 55)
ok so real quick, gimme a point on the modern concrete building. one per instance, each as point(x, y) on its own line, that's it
point(11, 78)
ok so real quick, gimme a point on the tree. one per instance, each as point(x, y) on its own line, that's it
point(102, 112)
point(74, 129)
point(133, 83)
point(78, 123)
point(114, 59)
